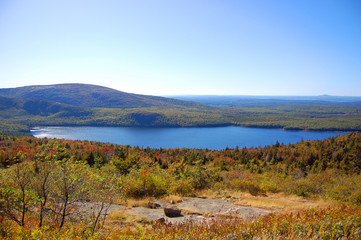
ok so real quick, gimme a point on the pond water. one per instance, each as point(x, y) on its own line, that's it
point(211, 138)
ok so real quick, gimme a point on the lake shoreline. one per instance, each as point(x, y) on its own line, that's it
point(201, 138)
point(347, 130)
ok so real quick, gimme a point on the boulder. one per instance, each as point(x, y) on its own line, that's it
point(153, 205)
point(172, 212)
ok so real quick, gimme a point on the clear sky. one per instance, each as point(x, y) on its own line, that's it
point(169, 47)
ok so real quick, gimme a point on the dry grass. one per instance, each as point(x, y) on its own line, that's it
point(119, 220)
point(279, 202)
point(173, 198)
point(208, 193)
point(138, 202)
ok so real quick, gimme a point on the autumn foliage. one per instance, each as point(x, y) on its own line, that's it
point(47, 186)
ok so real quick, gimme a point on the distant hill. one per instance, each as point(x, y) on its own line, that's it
point(86, 95)
point(271, 101)
point(15, 107)
point(90, 105)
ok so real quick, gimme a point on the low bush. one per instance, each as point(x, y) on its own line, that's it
point(182, 187)
point(146, 183)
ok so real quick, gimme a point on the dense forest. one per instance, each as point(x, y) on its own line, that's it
point(43, 181)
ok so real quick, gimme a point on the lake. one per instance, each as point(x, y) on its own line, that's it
point(211, 138)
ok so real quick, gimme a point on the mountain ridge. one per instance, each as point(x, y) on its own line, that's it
point(88, 95)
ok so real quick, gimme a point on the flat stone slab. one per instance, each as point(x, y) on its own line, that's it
point(154, 214)
point(89, 207)
point(214, 207)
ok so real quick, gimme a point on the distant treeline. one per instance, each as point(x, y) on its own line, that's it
point(315, 118)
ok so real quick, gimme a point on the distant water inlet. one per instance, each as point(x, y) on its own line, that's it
point(211, 138)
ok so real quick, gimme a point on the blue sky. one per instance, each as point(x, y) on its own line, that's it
point(240, 47)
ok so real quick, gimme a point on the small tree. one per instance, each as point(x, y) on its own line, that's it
point(105, 186)
point(70, 187)
point(15, 195)
point(40, 183)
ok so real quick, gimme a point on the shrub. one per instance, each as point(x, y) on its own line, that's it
point(344, 188)
point(199, 177)
point(356, 197)
point(142, 183)
point(124, 166)
point(305, 187)
point(181, 187)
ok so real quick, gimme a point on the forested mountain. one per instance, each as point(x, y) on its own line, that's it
point(19, 106)
point(30, 106)
point(86, 95)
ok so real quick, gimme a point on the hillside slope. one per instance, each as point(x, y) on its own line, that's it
point(18, 115)
point(86, 95)
point(11, 107)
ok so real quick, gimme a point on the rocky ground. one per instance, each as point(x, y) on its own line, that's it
point(195, 209)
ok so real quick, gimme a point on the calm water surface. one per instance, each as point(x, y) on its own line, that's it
point(211, 138)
